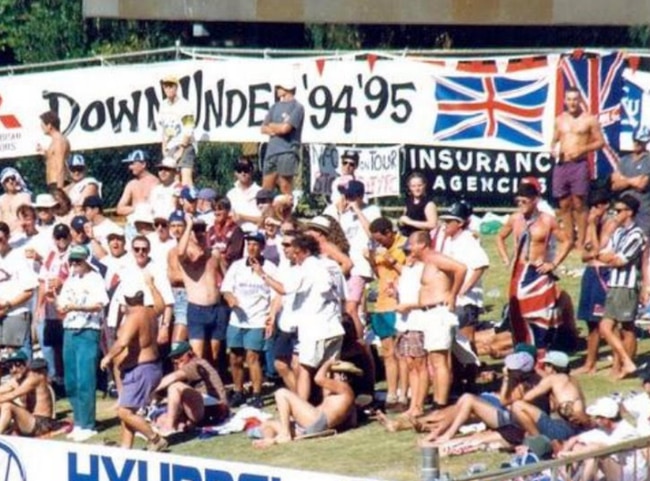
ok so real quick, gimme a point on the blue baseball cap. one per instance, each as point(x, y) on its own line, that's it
point(136, 156)
point(255, 236)
point(177, 216)
point(76, 160)
point(207, 193)
point(189, 193)
point(78, 222)
point(354, 189)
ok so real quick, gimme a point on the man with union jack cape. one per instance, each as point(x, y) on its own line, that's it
point(533, 292)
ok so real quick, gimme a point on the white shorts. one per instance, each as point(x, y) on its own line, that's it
point(314, 353)
point(439, 326)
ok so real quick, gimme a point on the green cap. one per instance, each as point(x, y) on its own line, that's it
point(79, 253)
point(178, 349)
point(16, 356)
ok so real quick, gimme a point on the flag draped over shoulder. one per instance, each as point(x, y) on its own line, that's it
point(501, 105)
point(599, 79)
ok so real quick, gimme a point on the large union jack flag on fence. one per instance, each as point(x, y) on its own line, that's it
point(599, 78)
point(506, 111)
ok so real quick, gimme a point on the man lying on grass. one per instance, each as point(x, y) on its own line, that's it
point(298, 418)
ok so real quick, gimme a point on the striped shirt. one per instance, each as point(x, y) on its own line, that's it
point(627, 243)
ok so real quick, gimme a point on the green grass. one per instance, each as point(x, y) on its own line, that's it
point(369, 451)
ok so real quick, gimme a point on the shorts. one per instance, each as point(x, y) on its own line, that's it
point(316, 427)
point(593, 291)
point(555, 428)
point(43, 425)
point(284, 164)
point(15, 329)
point(513, 435)
point(138, 383)
point(188, 158)
point(285, 344)
point(356, 286)
point(439, 328)
point(251, 339)
point(180, 305)
point(571, 178)
point(383, 324)
point(411, 344)
point(312, 353)
point(467, 315)
point(207, 323)
point(621, 304)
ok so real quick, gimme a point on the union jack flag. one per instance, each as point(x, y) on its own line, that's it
point(599, 78)
point(500, 110)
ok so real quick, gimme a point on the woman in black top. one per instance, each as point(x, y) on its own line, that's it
point(420, 211)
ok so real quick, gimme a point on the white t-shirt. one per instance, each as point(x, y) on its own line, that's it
point(135, 274)
point(17, 275)
point(75, 191)
point(408, 292)
point(287, 321)
point(160, 250)
point(103, 229)
point(86, 290)
point(55, 266)
point(465, 248)
point(170, 119)
point(116, 270)
point(316, 303)
point(243, 202)
point(252, 293)
point(161, 199)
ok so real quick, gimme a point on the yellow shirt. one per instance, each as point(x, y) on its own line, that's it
point(388, 275)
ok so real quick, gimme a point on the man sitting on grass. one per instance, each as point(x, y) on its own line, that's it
point(34, 415)
point(336, 410)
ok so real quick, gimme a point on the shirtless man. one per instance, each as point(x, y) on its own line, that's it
point(335, 410)
point(138, 190)
point(56, 153)
point(202, 271)
point(442, 278)
point(35, 416)
point(14, 196)
point(532, 231)
point(567, 399)
point(135, 354)
point(577, 133)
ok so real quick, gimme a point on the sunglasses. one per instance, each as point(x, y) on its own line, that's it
point(263, 201)
point(10, 179)
point(141, 250)
point(61, 237)
point(348, 163)
point(77, 169)
point(286, 244)
point(243, 171)
point(618, 210)
point(161, 224)
point(75, 262)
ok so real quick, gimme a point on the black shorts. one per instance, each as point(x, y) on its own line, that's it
point(285, 344)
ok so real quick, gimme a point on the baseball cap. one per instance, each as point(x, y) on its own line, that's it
point(136, 156)
point(351, 154)
point(168, 163)
point(342, 182)
point(642, 135)
point(189, 193)
point(78, 222)
point(178, 349)
point(16, 356)
point(76, 160)
point(177, 216)
point(460, 211)
point(604, 407)
point(319, 223)
point(60, 230)
point(532, 181)
point(207, 193)
point(44, 201)
point(142, 214)
point(354, 189)
point(557, 359)
point(527, 190)
point(346, 367)
point(264, 195)
point(93, 201)
point(132, 287)
point(38, 363)
point(79, 253)
point(255, 237)
point(115, 231)
point(169, 79)
point(520, 361)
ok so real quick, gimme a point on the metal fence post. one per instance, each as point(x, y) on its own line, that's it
point(430, 469)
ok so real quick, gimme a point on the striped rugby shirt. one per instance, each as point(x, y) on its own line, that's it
point(627, 243)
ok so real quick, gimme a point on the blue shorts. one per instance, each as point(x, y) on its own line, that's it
point(207, 323)
point(555, 428)
point(180, 305)
point(593, 290)
point(138, 383)
point(383, 324)
point(285, 344)
point(245, 338)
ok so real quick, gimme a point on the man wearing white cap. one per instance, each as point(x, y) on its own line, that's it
point(44, 206)
point(176, 119)
point(162, 197)
point(138, 189)
point(610, 429)
point(80, 186)
point(15, 194)
point(283, 125)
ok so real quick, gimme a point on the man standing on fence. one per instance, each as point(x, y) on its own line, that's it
point(56, 153)
point(283, 125)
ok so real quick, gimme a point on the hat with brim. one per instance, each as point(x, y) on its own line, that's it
point(44, 201)
point(605, 407)
point(178, 349)
point(557, 359)
point(642, 136)
point(79, 253)
point(142, 215)
point(520, 361)
point(347, 368)
point(16, 356)
point(319, 223)
point(38, 364)
point(255, 237)
point(167, 163)
point(169, 79)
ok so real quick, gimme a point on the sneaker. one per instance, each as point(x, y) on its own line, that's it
point(256, 401)
point(157, 444)
point(84, 435)
point(237, 399)
point(73, 433)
